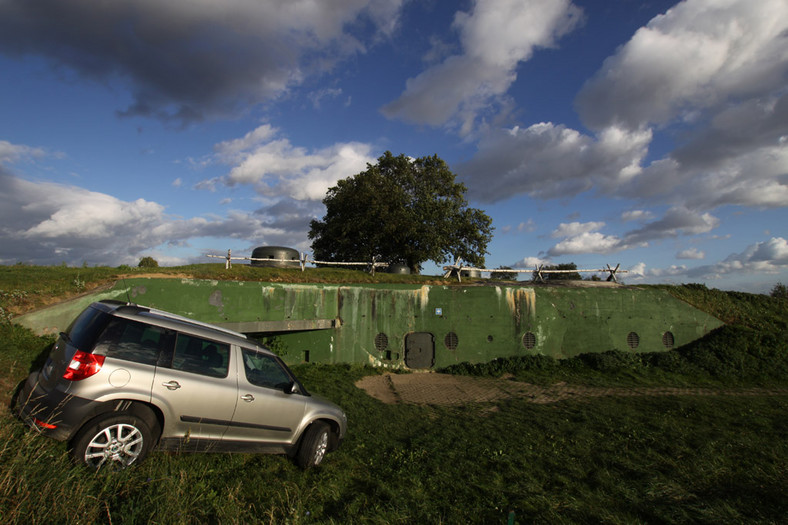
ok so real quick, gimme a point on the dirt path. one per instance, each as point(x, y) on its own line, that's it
point(442, 389)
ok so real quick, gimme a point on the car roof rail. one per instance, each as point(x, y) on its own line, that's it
point(138, 308)
point(176, 317)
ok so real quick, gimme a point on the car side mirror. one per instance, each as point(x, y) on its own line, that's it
point(291, 388)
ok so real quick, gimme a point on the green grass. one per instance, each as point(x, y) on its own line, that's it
point(667, 459)
point(24, 288)
point(673, 459)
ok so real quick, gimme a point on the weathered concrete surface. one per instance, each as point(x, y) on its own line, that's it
point(385, 324)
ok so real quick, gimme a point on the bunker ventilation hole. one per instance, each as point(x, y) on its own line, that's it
point(633, 340)
point(667, 340)
point(489, 339)
point(529, 340)
point(451, 340)
point(381, 342)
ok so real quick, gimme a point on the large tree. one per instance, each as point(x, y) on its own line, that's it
point(401, 210)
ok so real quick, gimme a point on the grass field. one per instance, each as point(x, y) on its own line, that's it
point(660, 459)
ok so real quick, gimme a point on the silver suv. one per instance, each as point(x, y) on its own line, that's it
point(124, 378)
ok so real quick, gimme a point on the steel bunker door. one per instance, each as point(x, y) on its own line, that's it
point(419, 350)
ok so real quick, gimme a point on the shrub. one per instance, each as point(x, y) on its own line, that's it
point(780, 291)
point(148, 262)
point(611, 360)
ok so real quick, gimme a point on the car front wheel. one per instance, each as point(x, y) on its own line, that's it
point(314, 445)
point(113, 441)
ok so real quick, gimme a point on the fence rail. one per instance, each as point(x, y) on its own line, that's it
point(455, 269)
point(302, 261)
point(538, 272)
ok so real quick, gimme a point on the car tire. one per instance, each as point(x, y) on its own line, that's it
point(112, 441)
point(314, 445)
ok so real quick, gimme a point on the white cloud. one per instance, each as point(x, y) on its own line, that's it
point(755, 178)
point(91, 215)
point(710, 75)
point(636, 215)
point(495, 37)
point(581, 238)
point(676, 221)
point(276, 168)
point(587, 242)
point(767, 257)
point(527, 226)
point(47, 223)
point(699, 54)
point(576, 228)
point(773, 251)
point(317, 97)
point(530, 262)
point(637, 270)
point(546, 160)
point(11, 153)
point(690, 253)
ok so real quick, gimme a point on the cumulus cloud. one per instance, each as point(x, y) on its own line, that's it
point(47, 223)
point(276, 168)
point(578, 238)
point(699, 54)
point(710, 74)
point(530, 262)
point(187, 61)
point(495, 37)
point(576, 228)
point(11, 153)
point(676, 221)
point(546, 160)
point(527, 226)
point(690, 253)
point(767, 257)
point(587, 242)
point(718, 70)
point(636, 215)
point(583, 238)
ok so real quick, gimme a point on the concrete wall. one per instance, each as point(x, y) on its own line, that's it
point(431, 326)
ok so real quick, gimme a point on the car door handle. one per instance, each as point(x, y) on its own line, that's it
point(248, 398)
point(172, 385)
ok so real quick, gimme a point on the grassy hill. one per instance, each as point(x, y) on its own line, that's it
point(665, 458)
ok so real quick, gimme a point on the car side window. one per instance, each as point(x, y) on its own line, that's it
point(263, 370)
point(131, 341)
point(201, 356)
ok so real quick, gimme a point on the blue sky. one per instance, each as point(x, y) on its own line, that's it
point(653, 134)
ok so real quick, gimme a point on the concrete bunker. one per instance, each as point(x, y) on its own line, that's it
point(276, 257)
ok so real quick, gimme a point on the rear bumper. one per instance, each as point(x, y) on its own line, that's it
point(53, 413)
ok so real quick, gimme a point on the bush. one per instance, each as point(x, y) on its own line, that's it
point(148, 262)
point(780, 291)
point(732, 353)
point(611, 361)
point(503, 275)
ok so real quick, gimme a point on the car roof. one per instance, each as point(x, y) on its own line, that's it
point(177, 322)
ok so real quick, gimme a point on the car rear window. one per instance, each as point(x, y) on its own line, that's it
point(85, 329)
point(133, 341)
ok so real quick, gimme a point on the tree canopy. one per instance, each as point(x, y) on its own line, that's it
point(502, 275)
point(568, 276)
point(148, 262)
point(401, 210)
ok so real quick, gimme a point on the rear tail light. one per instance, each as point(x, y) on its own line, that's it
point(83, 365)
point(43, 424)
